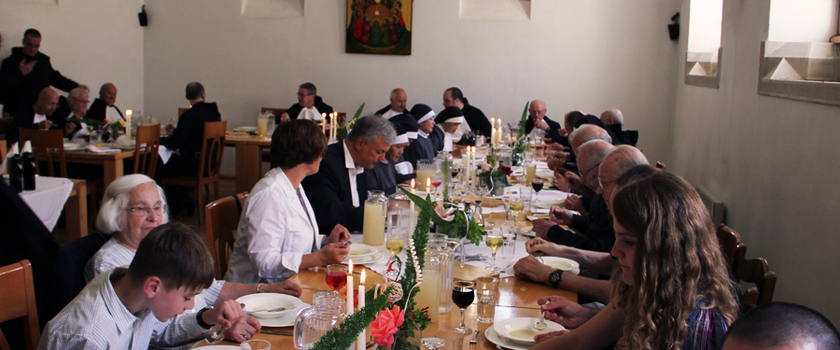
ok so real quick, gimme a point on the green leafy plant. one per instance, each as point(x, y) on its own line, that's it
point(343, 336)
point(345, 127)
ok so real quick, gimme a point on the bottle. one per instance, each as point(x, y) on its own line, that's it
point(15, 169)
point(28, 167)
point(468, 210)
point(479, 217)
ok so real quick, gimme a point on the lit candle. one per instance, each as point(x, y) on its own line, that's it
point(348, 309)
point(412, 215)
point(360, 343)
point(128, 123)
point(428, 185)
point(324, 123)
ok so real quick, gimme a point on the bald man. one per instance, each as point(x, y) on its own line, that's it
point(537, 119)
point(614, 120)
point(36, 116)
point(103, 107)
point(399, 100)
point(781, 326)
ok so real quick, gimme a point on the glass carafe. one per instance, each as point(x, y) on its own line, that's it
point(376, 209)
point(262, 125)
point(312, 323)
point(443, 247)
point(429, 294)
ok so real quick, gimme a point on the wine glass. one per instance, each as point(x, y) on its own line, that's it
point(537, 185)
point(494, 241)
point(394, 243)
point(463, 294)
point(336, 277)
point(516, 207)
point(432, 343)
point(507, 201)
point(437, 179)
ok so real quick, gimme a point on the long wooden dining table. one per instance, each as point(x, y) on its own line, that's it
point(517, 298)
point(112, 162)
point(248, 158)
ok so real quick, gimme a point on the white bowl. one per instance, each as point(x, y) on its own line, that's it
point(567, 265)
point(268, 301)
point(521, 330)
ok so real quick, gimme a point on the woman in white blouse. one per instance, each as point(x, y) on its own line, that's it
point(278, 235)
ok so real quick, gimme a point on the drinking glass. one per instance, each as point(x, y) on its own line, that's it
point(516, 207)
point(255, 344)
point(537, 185)
point(394, 243)
point(508, 250)
point(507, 201)
point(494, 241)
point(487, 293)
point(437, 179)
point(336, 277)
point(463, 294)
point(432, 343)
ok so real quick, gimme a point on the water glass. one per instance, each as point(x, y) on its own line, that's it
point(525, 197)
point(255, 344)
point(506, 254)
point(95, 137)
point(487, 294)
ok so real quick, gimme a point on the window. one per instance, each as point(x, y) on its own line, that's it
point(702, 61)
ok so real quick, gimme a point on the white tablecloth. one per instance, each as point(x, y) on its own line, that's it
point(48, 198)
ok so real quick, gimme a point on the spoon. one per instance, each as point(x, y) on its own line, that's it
point(541, 324)
point(215, 336)
point(278, 309)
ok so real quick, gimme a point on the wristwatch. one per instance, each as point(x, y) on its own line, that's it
point(200, 321)
point(555, 277)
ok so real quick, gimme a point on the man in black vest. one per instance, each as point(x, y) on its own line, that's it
point(310, 105)
point(103, 108)
point(476, 119)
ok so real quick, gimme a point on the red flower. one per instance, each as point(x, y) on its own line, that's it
point(505, 169)
point(386, 324)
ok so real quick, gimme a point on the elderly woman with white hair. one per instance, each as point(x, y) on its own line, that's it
point(131, 207)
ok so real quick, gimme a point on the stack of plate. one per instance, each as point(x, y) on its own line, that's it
point(363, 254)
point(518, 332)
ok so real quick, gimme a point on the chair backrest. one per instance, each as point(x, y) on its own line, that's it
point(4, 124)
point(757, 271)
point(18, 300)
point(146, 149)
point(67, 277)
point(212, 150)
point(181, 110)
point(222, 220)
point(42, 141)
point(730, 244)
point(275, 111)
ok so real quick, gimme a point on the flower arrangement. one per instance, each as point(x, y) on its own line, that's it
point(347, 125)
point(495, 177)
point(520, 145)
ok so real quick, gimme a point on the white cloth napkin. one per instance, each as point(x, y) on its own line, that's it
point(124, 141)
point(164, 153)
point(404, 168)
point(310, 113)
point(95, 149)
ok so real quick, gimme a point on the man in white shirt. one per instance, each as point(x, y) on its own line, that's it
point(399, 100)
point(115, 310)
point(336, 192)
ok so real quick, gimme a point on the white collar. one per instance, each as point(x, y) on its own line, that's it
point(348, 159)
point(422, 134)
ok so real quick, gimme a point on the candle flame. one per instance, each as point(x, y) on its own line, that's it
point(351, 267)
point(413, 184)
point(362, 279)
point(428, 182)
point(128, 112)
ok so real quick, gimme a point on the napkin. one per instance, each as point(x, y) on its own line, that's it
point(404, 168)
point(124, 141)
point(164, 153)
point(93, 148)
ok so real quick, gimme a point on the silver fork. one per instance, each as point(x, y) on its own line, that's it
point(474, 341)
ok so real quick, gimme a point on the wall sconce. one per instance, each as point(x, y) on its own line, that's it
point(144, 20)
point(674, 27)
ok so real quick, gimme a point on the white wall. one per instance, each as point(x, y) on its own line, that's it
point(773, 162)
point(591, 55)
point(704, 25)
point(89, 41)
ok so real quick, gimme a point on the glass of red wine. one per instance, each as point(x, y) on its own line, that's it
point(463, 294)
point(336, 277)
point(537, 185)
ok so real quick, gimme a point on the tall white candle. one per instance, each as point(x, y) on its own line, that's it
point(348, 309)
point(324, 123)
point(360, 343)
point(128, 123)
point(412, 216)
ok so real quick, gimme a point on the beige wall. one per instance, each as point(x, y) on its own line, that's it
point(89, 41)
point(591, 55)
point(773, 162)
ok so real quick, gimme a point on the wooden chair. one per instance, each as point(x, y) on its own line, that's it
point(145, 157)
point(18, 291)
point(42, 141)
point(181, 110)
point(756, 271)
point(222, 221)
point(210, 165)
point(730, 245)
point(4, 125)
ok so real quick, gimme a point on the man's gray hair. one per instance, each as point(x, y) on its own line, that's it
point(310, 88)
point(628, 158)
point(395, 91)
point(586, 133)
point(372, 127)
point(75, 93)
point(595, 152)
point(112, 214)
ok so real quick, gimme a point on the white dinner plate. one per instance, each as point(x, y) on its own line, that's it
point(245, 129)
point(70, 146)
point(527, 232)
point(359, 250)
point(263, 301)
point(218, 347)
point(547, 174)
point(549, 204)
point(286, 320)
point(367, 259)
point(494, 338)
point(520, 329)
point(556, 262)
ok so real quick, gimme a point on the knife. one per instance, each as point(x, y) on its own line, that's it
point(275, 332)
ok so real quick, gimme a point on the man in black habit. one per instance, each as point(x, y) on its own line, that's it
point(186, 138)
point(103, 108)
point(26, 72)
point(310, 105)
point(338, 190)
point(422, 147)
point(399, 100)
point(476, 119)
point(536, 118)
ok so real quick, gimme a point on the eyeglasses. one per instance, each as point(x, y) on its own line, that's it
point(603, 183)
point(583, 173)
point(302, 95)
point(143, 212)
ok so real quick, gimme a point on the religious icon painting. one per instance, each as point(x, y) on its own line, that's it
point(379, 26)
